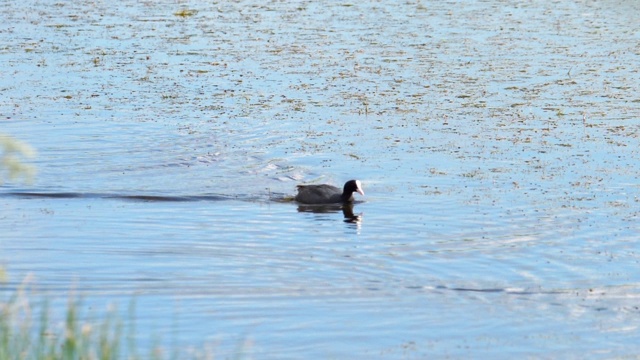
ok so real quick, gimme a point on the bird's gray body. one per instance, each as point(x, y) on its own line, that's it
point(320, 194)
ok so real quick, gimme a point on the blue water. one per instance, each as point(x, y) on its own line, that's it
point(497, 144)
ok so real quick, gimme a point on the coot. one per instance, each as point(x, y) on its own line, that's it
point(328, 194)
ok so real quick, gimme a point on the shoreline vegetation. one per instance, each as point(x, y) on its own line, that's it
point(28, 331)
point(11, 153)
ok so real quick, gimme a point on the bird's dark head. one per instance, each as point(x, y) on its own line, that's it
point(352, 186)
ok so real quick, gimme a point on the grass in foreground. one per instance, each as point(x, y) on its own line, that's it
point(27, 332)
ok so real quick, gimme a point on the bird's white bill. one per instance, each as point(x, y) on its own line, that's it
point(359, 189)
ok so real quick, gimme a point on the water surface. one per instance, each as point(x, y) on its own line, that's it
point(497, 144)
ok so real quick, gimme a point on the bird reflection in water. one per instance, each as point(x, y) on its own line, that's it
point(347, 211)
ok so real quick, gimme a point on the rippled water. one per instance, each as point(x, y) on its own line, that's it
point(497, 144)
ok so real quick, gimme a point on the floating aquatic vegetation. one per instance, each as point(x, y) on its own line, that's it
point(185, 13)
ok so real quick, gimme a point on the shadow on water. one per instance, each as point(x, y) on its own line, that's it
point(149, 198)
point(347, 211)
point(501, 290)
